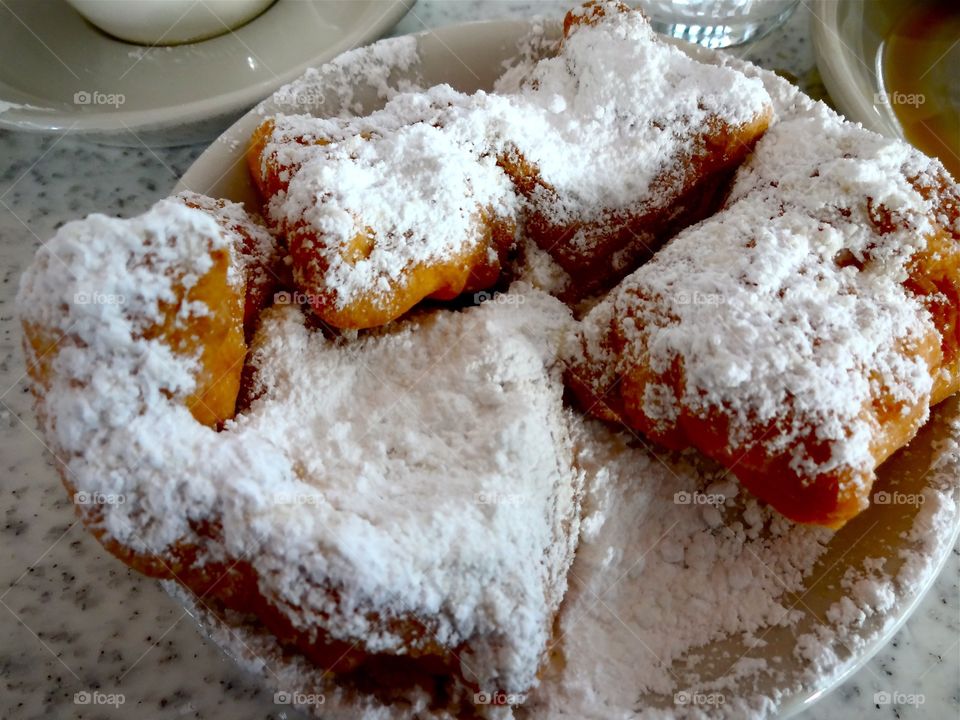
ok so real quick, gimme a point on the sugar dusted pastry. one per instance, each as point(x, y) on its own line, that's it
point(632, 140)
point(800, 335)
point(410, 216)
point(384, 211)
point(446, 502)
point(401, 508)
point(162, 293)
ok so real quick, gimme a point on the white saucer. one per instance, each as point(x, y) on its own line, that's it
point(58, 72)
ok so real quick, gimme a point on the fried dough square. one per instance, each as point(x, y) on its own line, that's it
point(799, 336)
point(635, 141)
point(383, 211)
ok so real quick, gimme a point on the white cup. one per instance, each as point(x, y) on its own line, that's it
point(168, 22)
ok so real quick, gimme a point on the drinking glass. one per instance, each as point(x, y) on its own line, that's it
point(717, 23)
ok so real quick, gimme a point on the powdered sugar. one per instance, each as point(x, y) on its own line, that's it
point(650, 544)
point(451, 434)
point(619, 107)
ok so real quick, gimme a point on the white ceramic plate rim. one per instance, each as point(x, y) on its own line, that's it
point(840, 67)
point(803, 701)
point(57, 120)
point(216, 162)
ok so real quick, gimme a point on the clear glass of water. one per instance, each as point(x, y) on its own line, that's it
point(717, 23)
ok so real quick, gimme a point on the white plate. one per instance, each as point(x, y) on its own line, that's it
point(60, 73)
point(913, 546)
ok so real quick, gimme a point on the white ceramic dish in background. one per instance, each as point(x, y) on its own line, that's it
point(847, 40)
point(469, 57)
point(58, 72)
point(168, 22)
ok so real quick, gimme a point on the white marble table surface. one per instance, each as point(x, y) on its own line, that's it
point(73, 619)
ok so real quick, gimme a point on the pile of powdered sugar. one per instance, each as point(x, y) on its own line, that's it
point(690, 599)
point(618, 109)
point(443, 485)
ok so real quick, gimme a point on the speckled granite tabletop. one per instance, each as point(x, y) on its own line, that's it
point(74, 620)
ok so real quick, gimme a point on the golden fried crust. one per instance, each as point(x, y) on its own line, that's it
point(269, 175)
point(217, 338)
point(935, 278)
point(474, 269)
point(263, 270)
point(589, 14)
point(828, 499)
point(256, 161)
